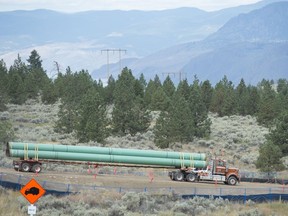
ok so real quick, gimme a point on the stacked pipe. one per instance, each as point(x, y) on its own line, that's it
point(39, 151)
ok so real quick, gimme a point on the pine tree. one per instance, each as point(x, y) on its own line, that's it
point(269, 158)
point(73, 87)
point(3, 86)
point(168, 87)
point(183, 89)
point(161, 130)
point(36, 79)
point(109, 91)
point(49, 93)
point(92, 118)
point(279, 135)
point(129, 114)
point(253, 100)
point(151, 88)
point(223, 99)
point(268, 105)
point(160, 101)
point(15, 87)
point(181, 122)
point(242, 98)
point(206, 92)
point(282, 96)
point(199, 112)
point(6, 131)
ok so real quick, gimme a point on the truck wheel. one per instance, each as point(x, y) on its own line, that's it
point(25, 167)
point(232, 180)
point(179, 176)
point(191, 177)
point(37, 168)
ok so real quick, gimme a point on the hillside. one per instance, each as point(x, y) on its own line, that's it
point(251, 46)
point(233, 138)
point(76, 39)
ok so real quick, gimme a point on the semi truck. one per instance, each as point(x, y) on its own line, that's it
point(190, 167)
point(217, 170)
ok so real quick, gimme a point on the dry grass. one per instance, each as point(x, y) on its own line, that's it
point(9, 203)
point(107, 203)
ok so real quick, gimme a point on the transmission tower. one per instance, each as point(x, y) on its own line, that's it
point(108, 51)
point(175, 73)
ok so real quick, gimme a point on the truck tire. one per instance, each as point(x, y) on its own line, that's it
point(25, 167)
point(37, 168)
point(232, 180)
point(191, 177)
point(179, 176)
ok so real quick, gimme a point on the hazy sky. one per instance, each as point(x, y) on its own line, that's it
point(83, 5)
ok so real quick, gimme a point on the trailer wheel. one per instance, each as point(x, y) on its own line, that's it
point(37, 168)
point(179, 176)
point(25, 167)
point(191, 177)
point(232, 180)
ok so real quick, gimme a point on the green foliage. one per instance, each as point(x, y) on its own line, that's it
point(183, 89)
point(223, 100)
point(186, 117)
point(129, 113)
point(269, 158)
point(282, 97)
point(168, 87)
point(175, 125)
point(72, 87)
point(3, 85)
point(242, 98)
point(199, 112)
point(181, 120)
point(161, 131)
point(253, 100)
point(92, 124)
point(207, 92)
point(160, 101)
point(49, 93)
point(16, 86)
point(268, 104)
point(6, 131)
point(152, 86)
point(279, 135)
point(109, 91)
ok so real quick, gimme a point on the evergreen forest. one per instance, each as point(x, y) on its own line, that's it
point(94, 111)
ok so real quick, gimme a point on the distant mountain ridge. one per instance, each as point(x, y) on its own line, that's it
point(252, 46)
point(157, 42)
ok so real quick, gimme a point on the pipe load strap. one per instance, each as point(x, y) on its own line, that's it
point(192, 162)
point(26, 152)
point(36, 152)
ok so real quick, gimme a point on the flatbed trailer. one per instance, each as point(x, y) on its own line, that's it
point(189, 166)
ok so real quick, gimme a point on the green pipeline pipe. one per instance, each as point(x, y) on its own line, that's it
point(107, 151)
point(72, 156)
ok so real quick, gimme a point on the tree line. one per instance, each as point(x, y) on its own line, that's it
point(126, 104)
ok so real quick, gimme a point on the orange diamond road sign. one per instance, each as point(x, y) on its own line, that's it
point(32, 191)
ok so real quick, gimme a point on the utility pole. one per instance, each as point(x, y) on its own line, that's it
point(108, 52)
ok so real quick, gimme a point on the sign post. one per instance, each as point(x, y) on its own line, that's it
point(32, 191)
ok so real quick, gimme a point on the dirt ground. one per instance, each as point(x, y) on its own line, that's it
point(152, 180)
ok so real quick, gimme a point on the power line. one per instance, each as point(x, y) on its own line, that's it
point(108, 51)
point(176, 73)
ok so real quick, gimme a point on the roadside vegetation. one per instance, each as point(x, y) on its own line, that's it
point(107, 203)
